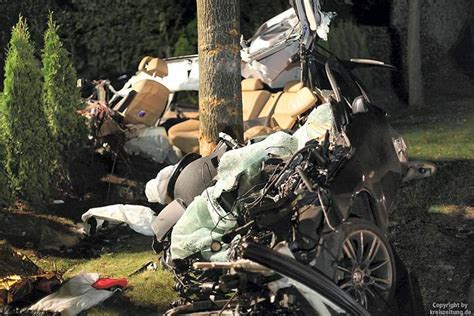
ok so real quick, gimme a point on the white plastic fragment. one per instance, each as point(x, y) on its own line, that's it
point(323, 28)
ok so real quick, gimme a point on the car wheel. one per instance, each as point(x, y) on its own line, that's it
point(359, 259)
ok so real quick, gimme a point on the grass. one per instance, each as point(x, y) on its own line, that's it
point(148, 293)
point(429, 212)
point(445, 132)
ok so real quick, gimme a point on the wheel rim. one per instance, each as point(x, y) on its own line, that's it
point(365, 270)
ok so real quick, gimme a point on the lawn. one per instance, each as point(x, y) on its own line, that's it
point(429, 213)
point(149, 293)
point(442, 132)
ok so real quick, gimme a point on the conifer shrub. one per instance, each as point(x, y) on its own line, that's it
point(28, 157)
point(5, 196)
point(61, 98)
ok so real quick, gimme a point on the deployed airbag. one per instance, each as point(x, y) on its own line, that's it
point(205, 220)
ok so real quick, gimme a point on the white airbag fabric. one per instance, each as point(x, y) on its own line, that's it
point(152, 143)
point(138, 217)
point(156, 189)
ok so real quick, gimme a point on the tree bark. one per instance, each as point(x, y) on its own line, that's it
point(220, 95)
point(415, 75)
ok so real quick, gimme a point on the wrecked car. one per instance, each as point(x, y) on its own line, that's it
point(321, 196)
point(296, 221)
point(260, 229)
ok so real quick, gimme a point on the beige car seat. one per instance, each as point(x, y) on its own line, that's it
point(254, 98)
point(148, 99)
point(283, 108)
point(185, 135)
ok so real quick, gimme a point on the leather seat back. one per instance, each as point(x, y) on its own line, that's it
point(149, 98)
point(295, 100)
point(185, 136)
point(253, 98)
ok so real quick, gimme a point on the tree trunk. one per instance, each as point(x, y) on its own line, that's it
point(220, 96)
point(415, 76)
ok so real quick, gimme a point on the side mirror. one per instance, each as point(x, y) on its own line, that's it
point(419, 170)
point(359, 105)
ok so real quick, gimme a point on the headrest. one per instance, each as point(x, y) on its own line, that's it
point(252, 84)
point(144, 62)
point(156, 67)
point(293, 86)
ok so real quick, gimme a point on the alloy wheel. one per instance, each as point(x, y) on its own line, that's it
point(365, 270)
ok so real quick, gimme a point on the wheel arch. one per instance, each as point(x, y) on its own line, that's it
point(363, 207)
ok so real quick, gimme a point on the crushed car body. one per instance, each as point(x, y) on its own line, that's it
point(293, 222)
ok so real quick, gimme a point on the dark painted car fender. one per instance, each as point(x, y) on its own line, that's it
point(374, 167)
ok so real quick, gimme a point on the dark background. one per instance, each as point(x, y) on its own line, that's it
point(107, 38)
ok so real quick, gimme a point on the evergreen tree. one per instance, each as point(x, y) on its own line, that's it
point(28, 156)
point(61, 97)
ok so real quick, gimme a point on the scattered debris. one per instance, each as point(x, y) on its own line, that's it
point(152, 143)
point(149, 266)
point(78, 294)
point(18, 290)
point(53, 239)
point(15, 263)
point(138, 217)
point(110, 284)
point(465, 232)
point(22, 282)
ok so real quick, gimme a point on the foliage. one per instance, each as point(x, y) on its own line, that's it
point(4, 190)
point(112, 41)
point(187, 41)
point(28, 157)
point(5, 196)
point(254, 13)
point(347, 40)
point(61, 97)
point(106, 39)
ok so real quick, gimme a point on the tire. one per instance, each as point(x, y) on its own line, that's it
point(359, 258)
